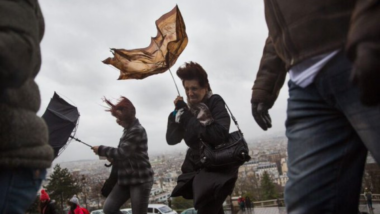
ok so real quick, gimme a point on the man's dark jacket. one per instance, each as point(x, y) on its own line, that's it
point(300, 29)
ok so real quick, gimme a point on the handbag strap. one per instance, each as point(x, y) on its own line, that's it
point(232, 116)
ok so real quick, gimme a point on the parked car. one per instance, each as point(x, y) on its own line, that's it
point(160, 209)
point(126, 211)
point(97, 212)
point(189, 211)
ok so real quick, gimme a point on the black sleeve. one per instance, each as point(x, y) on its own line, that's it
point(215, 133)
point(174, 131)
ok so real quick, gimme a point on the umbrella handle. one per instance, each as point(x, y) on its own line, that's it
point(80, 141)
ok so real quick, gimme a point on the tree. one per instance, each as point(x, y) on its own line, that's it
point(247, 185)
point(62, 186)
point(267, 188)
point(34, 207)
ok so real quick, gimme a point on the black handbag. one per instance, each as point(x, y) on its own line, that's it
point(110, 182)
point(234, 152)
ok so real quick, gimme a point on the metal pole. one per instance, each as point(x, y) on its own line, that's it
point(232, 206)
point(81, 141)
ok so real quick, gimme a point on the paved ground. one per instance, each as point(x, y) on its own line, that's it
point(281, 210)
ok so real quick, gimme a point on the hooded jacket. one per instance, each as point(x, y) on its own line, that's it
point(23, 135)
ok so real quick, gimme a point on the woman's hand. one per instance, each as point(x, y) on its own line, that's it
point(179, 103)
point(95, 149)
point(177, 99)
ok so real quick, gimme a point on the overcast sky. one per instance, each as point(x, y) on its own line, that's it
point(225, 37)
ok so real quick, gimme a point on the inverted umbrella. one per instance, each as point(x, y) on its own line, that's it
point(159, 56)
point(62, 121)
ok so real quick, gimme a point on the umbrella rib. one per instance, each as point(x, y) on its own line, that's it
point(61, 115)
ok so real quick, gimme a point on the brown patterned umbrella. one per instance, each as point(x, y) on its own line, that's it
point(159, 56)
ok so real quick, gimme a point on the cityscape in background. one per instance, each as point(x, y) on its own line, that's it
point(268, 156)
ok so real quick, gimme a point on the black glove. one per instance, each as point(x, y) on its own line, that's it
point(261, 115)
point(180, 104)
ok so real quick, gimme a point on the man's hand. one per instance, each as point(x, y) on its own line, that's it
point(261, 115)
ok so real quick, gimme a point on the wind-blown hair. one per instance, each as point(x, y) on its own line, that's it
point(124, 110)
point(193, 71)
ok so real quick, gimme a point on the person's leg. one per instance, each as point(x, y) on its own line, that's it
point(325, 154)
point(213, 207)
point(18, 189)
point(140, 197)
point(118, 196)
point(364, 120)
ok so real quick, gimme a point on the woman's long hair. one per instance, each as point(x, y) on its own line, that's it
point(124, 110)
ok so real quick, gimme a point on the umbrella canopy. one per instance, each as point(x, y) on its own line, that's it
point(159, 56)
point(61, 119)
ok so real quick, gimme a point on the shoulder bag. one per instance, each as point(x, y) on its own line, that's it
point(234, 152)
point(110, 182)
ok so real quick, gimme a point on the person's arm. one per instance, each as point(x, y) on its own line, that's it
point(363, 49)
point(174, 132)
point(20, 34)
point(214, 133)
point(269, 80)
point(127, 147)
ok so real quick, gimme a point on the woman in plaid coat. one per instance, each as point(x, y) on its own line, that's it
point(135, 174)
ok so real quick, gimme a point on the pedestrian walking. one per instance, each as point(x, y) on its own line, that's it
point(203, 117)
point(131, 161)
point(331, 50)
point(47, 206)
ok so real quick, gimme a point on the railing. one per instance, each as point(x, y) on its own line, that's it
point(375, 198)
point(274, 203)
point(269, 203)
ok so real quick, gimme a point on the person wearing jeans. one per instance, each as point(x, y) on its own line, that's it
point(139, 195)
point(329, 131)
point(134, 172)
point(24, 149)
point(331, 51)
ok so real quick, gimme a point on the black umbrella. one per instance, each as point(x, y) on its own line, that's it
point(62, 121)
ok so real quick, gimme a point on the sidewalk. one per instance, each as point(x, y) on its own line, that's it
point(265, 210)
point(363, 208)
point(282, 210)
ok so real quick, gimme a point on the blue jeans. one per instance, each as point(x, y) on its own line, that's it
point(18, 188)
point(329, 132)
point(139, 195)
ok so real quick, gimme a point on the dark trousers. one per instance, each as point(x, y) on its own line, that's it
point(214, 207)
point(139, 195)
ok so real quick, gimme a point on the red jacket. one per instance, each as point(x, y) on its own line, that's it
point(77, 210)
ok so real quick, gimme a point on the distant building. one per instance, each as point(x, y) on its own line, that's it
point(160, 198)
point(270, 168)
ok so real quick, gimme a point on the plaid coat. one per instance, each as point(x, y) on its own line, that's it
point(131, 157)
